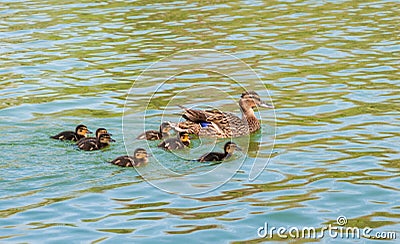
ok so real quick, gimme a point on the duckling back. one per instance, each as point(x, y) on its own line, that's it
point(67, 136)
point(150, 135)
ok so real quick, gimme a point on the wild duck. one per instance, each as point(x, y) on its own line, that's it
point(229, 148)
point(214, 123)
point(101, 142)
point(163, 132)
point(140, 157)
point(81, 131)
point(181, 141)
point(99, 131)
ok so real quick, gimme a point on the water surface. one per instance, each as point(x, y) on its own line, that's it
point(331, 67)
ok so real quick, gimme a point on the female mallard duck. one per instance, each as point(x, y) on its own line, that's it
point(140, 157)
point(101, 142)
point(80, 132)
point(99, 131)
point(181, 141)
point(165, 127)
point(229, 148)
point(214, 123)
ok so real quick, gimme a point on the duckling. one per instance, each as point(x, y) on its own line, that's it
point(165, 127)
point(99, 131)
point(214, 123)
point(229, 148)
point(81, 131)
point(101, 142)
point(140, 157)
point(181, 141)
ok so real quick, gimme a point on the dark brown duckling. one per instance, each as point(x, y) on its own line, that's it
point(229, 148)
point(181, 141)
point(81, 131)
point(91, 145)
point(99, 131)
point(140, 157)
point(165, 127)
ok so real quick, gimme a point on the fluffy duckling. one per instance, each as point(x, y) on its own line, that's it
point(165, 127)
point(99, 131)
point(81, 131)
point(101, 142)
point(140, 157)
point(229, 148)
point(181, 141)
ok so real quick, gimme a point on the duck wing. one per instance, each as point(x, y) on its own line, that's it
point(212, 156)
point(213, 123)
point(88, 145)
point(171, 144)
point(124, 161)
point(150, 135)
point(65, 135)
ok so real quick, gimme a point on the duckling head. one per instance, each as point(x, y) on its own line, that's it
point(165, 127)
point(141, 155)
point(250, 99)
point(82, 130)
point(100, 131)
point(230, 147)
point(184, 137)
point(105, 139)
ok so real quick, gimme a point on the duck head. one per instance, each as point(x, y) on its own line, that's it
point(105, 139)
point(250, 99)
point(165, 127)
point(230, 147)
point(141, 155)
point(100, 131)
point(82, 130)
point(184, 137)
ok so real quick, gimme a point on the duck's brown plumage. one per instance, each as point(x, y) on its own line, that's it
point(80, 132)
point(96, 144)
point(163, 132)
point(139, 158)
point(222, 124)
point(99, 131)
point(229, 148)
point(181, 141)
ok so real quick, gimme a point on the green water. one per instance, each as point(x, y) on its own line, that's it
point(332, 72)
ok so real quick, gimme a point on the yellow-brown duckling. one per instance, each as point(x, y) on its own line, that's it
point(165, 127)
point(140, 157)
point(229, 148)
point(81, 132)
point(181, 141)
point(92, 145)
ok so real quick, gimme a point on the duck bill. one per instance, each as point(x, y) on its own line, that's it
point(266, 105)
point(89, 132)
point(239, 149)
point(112, 140)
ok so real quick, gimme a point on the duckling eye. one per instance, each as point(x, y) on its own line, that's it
point(137, 155)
